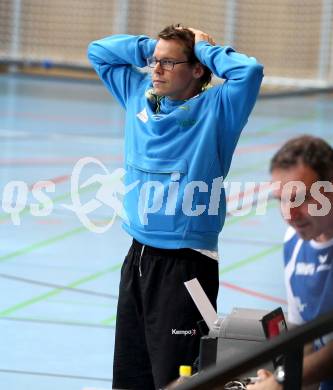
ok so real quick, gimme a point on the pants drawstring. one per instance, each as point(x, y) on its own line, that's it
point(142, 249)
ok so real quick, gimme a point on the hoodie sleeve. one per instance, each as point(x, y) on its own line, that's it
point(237, 95)
point(115, 59)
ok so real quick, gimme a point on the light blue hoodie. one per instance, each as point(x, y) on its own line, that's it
point(177, 150)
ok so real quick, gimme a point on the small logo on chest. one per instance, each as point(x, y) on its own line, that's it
point(323, 264)
point(143, 116)
point(185, 123)
point(305, 269)
point(322, 259)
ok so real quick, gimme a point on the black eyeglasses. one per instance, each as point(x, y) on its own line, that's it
point(165, 64)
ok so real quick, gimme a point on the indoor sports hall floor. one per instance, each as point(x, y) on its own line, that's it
point(58, 280)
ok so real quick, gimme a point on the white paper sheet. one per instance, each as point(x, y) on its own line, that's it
point(202, 302)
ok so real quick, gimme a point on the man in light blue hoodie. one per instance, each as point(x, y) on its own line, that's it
point(180, 136)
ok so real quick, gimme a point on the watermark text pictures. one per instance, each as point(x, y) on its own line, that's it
point(168, 197)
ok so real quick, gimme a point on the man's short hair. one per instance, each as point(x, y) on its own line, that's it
point(187, 38)
point(311, 151)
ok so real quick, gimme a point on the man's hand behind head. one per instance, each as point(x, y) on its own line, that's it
point(201, 36)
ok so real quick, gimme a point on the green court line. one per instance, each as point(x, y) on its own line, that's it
point(52, 240)
point(80, 281)
point(251, 259)
point(57, 321)
point(56, 291)
point(57, 199)
point(41, 244)
point(258, 256)
point(109, 321)
point(231, 220)
point(70, 302)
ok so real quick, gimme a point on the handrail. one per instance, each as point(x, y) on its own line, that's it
point(283, 344)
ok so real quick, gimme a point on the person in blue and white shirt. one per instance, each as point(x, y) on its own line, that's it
point(308, 246)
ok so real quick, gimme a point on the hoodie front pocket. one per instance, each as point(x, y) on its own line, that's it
point(155, 203)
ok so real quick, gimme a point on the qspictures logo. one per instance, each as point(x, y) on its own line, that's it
point(111, 188)
point(157, 197)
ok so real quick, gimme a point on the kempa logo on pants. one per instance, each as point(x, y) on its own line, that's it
point(176, 332)
point(154, 196)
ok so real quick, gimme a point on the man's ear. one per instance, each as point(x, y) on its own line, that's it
point(198, 70)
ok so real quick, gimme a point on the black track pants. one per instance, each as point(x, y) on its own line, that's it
point(156, 329)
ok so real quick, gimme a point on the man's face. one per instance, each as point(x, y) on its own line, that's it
point(307, 226)
point(182, 81)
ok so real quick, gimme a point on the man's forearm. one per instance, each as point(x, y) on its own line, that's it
point(121, 50)
point(318, 365)
point(112, 58)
